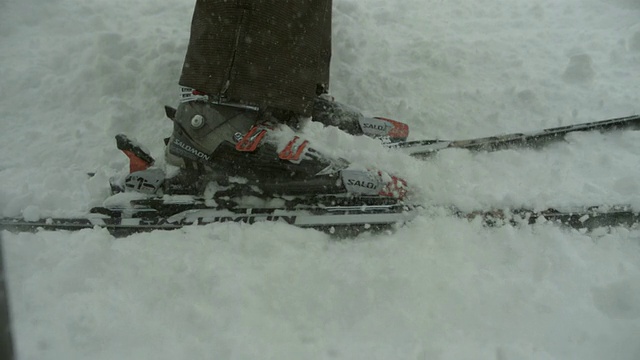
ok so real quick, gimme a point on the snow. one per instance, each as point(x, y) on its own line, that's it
point(76, 73)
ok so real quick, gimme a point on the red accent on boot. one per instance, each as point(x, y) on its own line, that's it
point(395, 188)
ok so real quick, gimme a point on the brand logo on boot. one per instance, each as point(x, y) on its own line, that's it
point(361, 183)
point(191, 150)
point(379, 127)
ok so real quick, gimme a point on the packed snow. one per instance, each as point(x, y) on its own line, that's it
point(76, 73)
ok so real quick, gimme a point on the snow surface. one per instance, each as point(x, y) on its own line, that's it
point(75, 73)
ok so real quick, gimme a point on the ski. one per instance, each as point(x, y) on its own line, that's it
point(580, 218)
point(341, 215)
point(424, 148)
point(340, 220)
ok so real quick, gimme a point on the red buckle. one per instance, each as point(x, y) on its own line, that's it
point(292, 151)
point(252, 139)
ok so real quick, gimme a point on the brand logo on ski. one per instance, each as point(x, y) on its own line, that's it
point(245, 219)
point(191, 150)
point(291, 220)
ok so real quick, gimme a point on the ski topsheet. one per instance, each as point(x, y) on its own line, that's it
point(580, 218)
point(424, 148)
point(341, 221)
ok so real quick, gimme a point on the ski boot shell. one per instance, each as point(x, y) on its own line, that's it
point(229, 145)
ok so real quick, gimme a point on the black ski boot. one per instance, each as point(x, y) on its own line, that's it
point(240, 148)
point(229, 143)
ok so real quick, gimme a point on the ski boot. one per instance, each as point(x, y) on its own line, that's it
point(223, 142)
point(240, 148)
